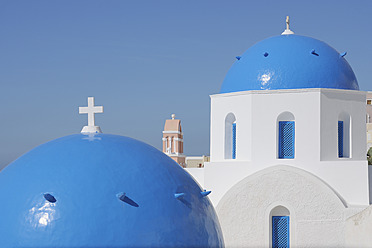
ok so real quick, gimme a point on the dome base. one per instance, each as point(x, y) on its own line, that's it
point(91, 129)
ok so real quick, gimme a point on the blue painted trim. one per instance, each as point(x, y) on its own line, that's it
point(286, 140)
point(340, 139)
point(234, 141)
point(280, 232)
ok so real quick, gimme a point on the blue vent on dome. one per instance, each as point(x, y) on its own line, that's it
point(280, 226)
point(286, 139)
point(234, 141)
point(50, 198)
point(340, 139)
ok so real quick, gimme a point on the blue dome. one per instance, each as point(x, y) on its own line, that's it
point(289, 62)
point(102, 190)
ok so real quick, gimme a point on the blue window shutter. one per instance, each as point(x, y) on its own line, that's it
point(340, 139)
point(280, 234)
point(286, 139)
point(234, 140)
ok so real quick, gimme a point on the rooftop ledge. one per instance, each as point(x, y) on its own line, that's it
point(252, 92)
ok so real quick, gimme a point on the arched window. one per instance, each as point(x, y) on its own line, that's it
point(280, 227)
point(230, 136)
point(234, 140)
point(340, 138)
point(344, 135)
point(167, 145)
point(286, 135)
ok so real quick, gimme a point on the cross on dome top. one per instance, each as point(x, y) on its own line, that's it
point(91, 110)
point(287, 30)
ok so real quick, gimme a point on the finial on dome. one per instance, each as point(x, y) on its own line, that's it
point(91, 110)
point(173, 116)
point(287, 30)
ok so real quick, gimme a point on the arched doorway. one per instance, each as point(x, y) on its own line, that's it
point(279, 227)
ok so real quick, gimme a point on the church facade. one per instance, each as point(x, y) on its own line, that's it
point(288, 137)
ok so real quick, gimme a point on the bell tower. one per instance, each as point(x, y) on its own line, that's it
point(173, 140)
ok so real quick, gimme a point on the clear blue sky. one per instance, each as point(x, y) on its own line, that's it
point(143, 60)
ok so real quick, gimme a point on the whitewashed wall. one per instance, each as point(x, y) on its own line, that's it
point(316, 113)
point(359, 229)
point(319, 189)
point(334, 103)
point(316, 211)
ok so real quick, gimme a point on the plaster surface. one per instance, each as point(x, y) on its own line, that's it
point(359, 229)
point(316, 113)
point(316, 211)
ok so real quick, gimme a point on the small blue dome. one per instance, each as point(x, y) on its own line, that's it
point(289, 62)
point(102, 190)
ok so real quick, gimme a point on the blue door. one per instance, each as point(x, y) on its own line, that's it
point(280, 234)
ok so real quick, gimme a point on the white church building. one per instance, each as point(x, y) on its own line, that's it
point(287, 153)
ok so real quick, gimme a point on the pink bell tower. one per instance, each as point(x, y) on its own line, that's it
point(173, 140)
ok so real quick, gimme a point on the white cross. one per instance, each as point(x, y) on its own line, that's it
point(91, 110)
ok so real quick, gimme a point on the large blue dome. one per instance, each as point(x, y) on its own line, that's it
point(102, 190)
point(289, 62)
